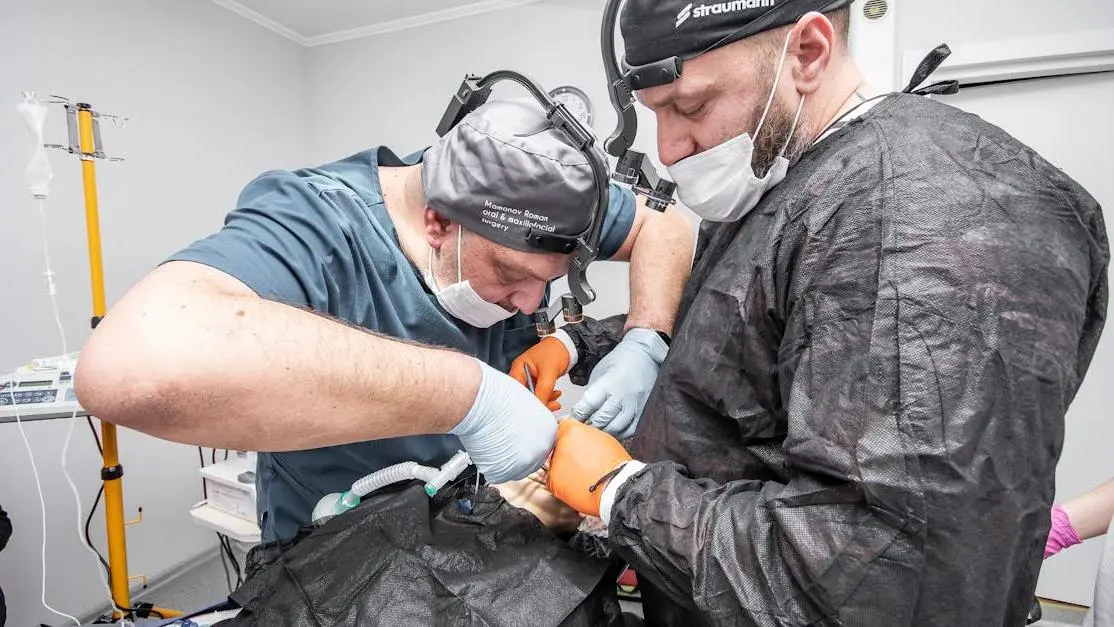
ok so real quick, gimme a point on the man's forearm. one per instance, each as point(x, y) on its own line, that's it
point(192, 355)
point(660, 263)
point(1090, 513)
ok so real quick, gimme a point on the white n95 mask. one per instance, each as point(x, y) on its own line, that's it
point(460, 300)
point(719, 184)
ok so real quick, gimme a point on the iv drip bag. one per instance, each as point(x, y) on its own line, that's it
point(39, 171)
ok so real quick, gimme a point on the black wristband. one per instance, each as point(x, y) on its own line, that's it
point(606, 478)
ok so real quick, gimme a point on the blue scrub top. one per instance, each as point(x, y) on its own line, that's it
point(321, 238)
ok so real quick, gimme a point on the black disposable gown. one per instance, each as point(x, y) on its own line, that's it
point(861, 413)
point(403, 559)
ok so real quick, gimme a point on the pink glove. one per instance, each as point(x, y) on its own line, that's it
point(1061, 535)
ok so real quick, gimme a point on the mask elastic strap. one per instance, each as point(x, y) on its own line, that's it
point(429, 269)
point(793, 129)
point(459, 245)
point(429, 259)
point(777, 79)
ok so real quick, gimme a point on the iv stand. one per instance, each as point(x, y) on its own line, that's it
point(85, 141)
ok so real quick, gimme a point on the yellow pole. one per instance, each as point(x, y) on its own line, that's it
point(92, 221)
point(111, 472)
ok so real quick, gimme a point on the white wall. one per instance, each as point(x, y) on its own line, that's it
point(392, 89)
point(923, 25)
point(213, 100)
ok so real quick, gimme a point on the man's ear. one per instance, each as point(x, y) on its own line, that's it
point(437, 228)
point(811, 45)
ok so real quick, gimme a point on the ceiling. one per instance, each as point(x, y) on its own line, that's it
point(316, 22)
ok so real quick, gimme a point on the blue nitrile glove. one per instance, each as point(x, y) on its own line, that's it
point(621, 383)
point(508, 433)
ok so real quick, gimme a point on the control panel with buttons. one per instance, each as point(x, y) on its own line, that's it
point(41, 389)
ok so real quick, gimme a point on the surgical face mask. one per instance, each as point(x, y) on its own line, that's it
point(719, 184)
point(460, 300)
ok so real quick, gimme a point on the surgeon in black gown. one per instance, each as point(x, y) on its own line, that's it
point(892, 305)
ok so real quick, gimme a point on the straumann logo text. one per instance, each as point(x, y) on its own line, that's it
point(719, 8)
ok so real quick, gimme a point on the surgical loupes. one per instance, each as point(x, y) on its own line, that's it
point(572, 311)
point(633, 168)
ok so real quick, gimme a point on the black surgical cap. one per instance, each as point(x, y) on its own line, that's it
point(659, 29)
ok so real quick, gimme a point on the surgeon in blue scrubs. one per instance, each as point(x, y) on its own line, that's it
point(365, 312)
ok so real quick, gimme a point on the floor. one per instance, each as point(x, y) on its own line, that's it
point(1056, 614)
point(204, 584)
point(199, 587)
point(1053, 614)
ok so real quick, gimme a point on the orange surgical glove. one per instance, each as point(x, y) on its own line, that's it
point(582, 457)
point(548, 360)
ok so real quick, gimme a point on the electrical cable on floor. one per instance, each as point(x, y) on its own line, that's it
point(96, 502)
point(204, 487)
point(96, 438)
point(220, 543)
point(127, 612)
point(88, 539)
point(224, 565)
point(77, 500)
point(235, 562)
point(226, 542)
point(239, 568)
point(224, 550)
